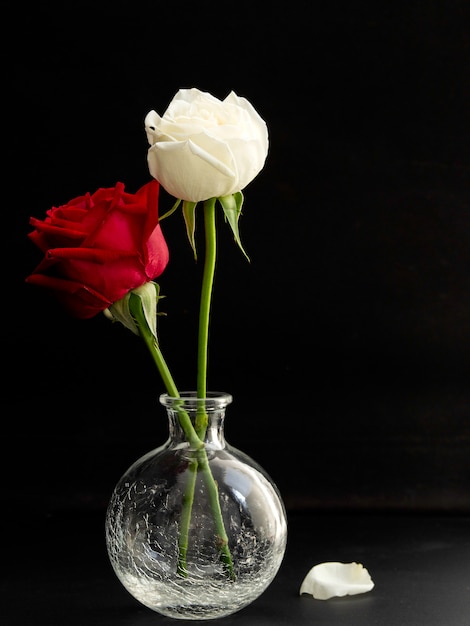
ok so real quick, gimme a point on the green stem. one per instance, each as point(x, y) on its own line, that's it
point(213, 493)
point(203, 341)
point(135, 306)
point(199, 462)
point(186, 511)
point(206, 295)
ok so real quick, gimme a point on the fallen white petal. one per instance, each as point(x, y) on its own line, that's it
point(327, 580)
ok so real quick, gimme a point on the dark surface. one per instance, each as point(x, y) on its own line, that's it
point(57, 573)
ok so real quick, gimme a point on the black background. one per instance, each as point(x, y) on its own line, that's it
point(345, 341)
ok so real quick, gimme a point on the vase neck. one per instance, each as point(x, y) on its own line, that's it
point(193, 419)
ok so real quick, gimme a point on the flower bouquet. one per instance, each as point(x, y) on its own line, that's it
point(195, 529)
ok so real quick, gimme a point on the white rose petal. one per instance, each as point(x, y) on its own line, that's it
point(327, 580)
point(205, 148)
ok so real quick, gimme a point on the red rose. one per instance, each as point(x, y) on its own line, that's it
point(100, 246)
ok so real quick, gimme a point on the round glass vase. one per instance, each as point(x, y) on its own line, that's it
point(196, 529)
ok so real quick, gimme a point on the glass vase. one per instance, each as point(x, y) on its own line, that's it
point(196, 529)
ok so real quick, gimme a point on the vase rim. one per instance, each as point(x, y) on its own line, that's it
point(212, 397)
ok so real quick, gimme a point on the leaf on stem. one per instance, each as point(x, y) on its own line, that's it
point(189, 214)
point(170, 211)
point(232, 206)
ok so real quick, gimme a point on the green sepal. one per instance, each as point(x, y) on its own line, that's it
point(232, 206)
point(170, 211)
point(121, 311)
point(189, 214)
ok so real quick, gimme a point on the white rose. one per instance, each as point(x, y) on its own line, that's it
point(205, 148)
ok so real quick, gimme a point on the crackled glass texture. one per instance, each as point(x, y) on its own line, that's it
point(150, 505)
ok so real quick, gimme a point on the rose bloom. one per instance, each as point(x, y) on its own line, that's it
point(205, 148)
point(99, 246)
